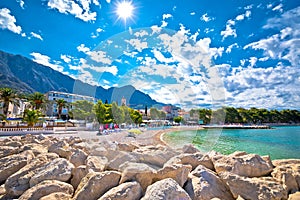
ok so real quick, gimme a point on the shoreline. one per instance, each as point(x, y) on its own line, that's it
point(159, 136)
point(119, 162)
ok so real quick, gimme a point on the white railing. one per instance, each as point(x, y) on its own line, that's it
point(15, 129)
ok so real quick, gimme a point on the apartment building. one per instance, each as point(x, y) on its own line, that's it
point(52, 96)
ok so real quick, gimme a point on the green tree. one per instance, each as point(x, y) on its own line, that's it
point(61, 103)
point(232, 115)
point(37, 100)
point(118, 113)
point(178, 119)
point(99, 110)
point(127, 117)
point(103, 113)
point(156, 114)
point(205, 115)
point(136, 116)
point(31, 117)
point(7, 96)
point(218, 116)
point(83, 109)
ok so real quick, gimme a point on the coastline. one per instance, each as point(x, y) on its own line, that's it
point(146, 162)
point(159, 136)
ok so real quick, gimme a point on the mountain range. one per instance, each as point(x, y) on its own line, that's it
point(27, 76)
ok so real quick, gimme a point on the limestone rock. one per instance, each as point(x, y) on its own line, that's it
point(45, 188)
point(189, 148)
point(58, 169)
point(295, 196)
point(154, 155)
point(57, 196)
point(254, 188)
point(77, 175)
point(7, 151)
point(95, 184)
point(2, 190)
point(96, 163)
point(61, 148)
point(13, 144)
point(128, 191)
point(285, 162)
point(18, 183)
point(165, 189)
point(74, 140)
point(120, 159)
point(177, 172)
point(13, 163)
point(240, 163)
point(192, 159)
point(35, 148)
point(28, 138)
point(78, 157)
point(127, 147)
point(205, 185)
point(139, 172)
point(288, 175)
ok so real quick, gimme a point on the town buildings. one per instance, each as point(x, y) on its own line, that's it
point(52, 96)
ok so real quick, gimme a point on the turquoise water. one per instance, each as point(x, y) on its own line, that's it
point(279, 142)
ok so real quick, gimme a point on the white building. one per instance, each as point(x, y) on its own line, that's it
point(14, 110)
point(68, 97)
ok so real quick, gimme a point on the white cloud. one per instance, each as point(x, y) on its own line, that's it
point(80, 10)
point(35, 35)
point(194, 37)
point(229, 31)
point(137, 44)
point(278, 8)
point(22, 3)
point(230, 47)
point(205, 18)
point(96, 33)
point(83, 48)
point(100, 57)
point(8, 21)
point(248, 7)
point(155, 29)
point(273, 87)
point(66, 58)
point(207, 30)
point(108, 1)
point(164, 23)
point(141, 33)
point(286, 43)
point(45, 60)
point(192, 13)
point(166, 16)
point(252, 61)
point(161, 58)
point(240, 17)
point(263, 59)
point(96, 2)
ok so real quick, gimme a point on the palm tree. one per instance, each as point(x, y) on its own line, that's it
point(60, 104)
point(7, 96)
point(31, 117)
point(37, 100)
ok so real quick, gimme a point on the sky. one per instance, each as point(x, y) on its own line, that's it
point(191, 53)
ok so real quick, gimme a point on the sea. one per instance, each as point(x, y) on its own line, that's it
point(279, 142)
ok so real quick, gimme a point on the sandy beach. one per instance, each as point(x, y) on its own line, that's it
point(147, 137)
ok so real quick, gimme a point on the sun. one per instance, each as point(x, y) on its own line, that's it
point(124, 10)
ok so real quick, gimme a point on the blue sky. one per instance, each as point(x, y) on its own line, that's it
point(190, 53)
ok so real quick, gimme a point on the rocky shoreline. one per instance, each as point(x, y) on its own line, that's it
point(46, 167)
